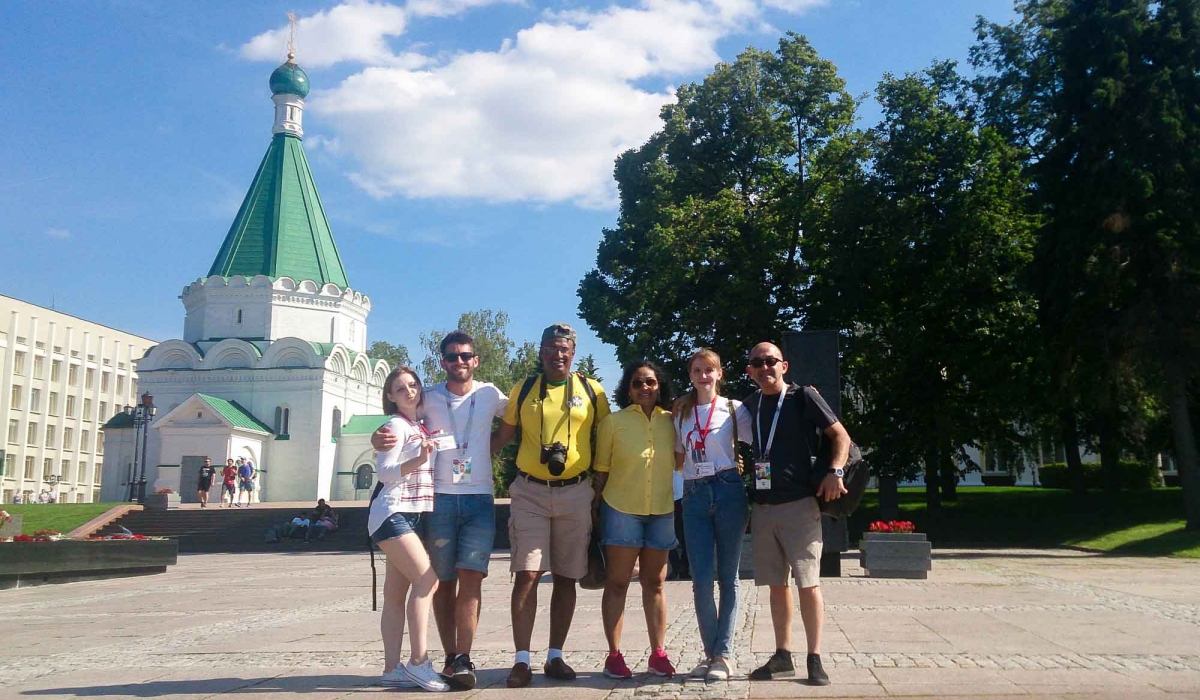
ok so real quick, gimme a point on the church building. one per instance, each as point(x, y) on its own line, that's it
point(272, 363)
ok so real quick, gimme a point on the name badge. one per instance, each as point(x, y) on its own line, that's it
point(460, 470)
point(762, 476)
point(443, 441)
point(705, 469)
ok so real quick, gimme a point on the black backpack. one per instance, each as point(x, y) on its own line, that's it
point(855, 477)
point(527, 387)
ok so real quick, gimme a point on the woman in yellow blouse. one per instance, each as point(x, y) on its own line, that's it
point(635, 463)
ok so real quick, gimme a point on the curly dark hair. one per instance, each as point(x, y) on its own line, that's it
point(666, 393)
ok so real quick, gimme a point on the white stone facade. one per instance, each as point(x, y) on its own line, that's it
point(61, 379)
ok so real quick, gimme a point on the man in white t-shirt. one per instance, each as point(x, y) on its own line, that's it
point(462, 526)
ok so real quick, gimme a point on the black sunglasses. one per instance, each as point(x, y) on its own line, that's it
point(464, 356)
point(644, 383)
point(768, 361)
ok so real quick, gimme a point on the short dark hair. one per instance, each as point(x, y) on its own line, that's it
point(665, 393)
point(457, 337)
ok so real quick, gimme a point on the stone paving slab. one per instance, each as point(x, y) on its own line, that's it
point(986, 624)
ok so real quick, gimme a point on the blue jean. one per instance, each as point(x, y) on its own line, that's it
point(714, 520)
point(460, 533)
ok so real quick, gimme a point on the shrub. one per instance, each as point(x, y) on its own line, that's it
point(1135, 475)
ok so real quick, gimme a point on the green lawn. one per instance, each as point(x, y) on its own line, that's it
point(62, 517)
point(1133, 522)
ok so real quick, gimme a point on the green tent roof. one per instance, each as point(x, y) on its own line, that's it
point(281, 229)
point(364, 425)
point(235, 414)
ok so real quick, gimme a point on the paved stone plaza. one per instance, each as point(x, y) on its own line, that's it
point(1000, 623)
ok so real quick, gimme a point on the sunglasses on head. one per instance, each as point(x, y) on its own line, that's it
point(455, 356)
point(758, 362)
point(644, 383)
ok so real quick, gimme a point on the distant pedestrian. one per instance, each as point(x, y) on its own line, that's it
point(247, 475)
point(229, 483)
point(204, 483)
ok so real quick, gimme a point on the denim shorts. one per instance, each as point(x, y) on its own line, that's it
point(460, 533)
point(624, 530)
point(399, 524)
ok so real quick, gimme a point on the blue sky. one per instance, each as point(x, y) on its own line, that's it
point(463, 148)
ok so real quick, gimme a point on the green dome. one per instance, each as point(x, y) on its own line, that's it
point(289, 79)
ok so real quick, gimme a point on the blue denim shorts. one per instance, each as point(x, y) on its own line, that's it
point(399, 524)
point(624, 530)
point(460, 533)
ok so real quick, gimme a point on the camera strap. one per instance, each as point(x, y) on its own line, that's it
point(570, 394)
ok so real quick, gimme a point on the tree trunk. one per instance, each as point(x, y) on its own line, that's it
point(1070, 440)
point(1185, 439)
point(949, 474)
point(933, 500)
point(889, 499)
point(1110, 451)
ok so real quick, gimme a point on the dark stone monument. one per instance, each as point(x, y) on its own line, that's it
point(812, 358)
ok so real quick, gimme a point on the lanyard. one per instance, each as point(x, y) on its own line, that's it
point(703, 432)
point(416, 424)
point(765, 452)
point(462, 446)
point(570, 394)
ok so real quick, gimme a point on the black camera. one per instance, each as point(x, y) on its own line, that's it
point(555, 458)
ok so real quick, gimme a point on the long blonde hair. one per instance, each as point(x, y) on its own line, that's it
point(687, 402)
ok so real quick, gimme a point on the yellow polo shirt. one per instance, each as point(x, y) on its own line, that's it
point(534, 416)
point(639, 455)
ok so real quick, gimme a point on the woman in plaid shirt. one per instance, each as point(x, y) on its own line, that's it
point(402, 497)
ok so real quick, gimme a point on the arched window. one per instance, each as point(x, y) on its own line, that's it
point(287, 420)
point(337, 422)
point(364, 477)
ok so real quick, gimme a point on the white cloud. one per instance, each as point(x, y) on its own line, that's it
point(539, 119)
point(61, 234)
point(355, 32)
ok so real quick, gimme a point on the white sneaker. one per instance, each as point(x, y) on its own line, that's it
point(701, 670)
point(720, 670)
point(424, 676)
point(396, 678)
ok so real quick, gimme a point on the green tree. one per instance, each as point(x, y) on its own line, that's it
point(492, 344)
point(705, 250)
point(394, 355)
point(586, 366)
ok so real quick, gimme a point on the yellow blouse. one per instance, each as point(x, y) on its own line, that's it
point(639, 455)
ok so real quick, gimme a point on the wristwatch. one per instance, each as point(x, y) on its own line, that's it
point(839, 472)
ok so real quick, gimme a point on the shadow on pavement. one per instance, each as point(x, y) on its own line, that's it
point(273, 684)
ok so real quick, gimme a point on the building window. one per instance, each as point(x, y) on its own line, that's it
point(16, 397)
point(120, 384)
point(35, 400)
point(81, 474)
point(47, 469)
point(49, 436)
point(133, 387)
point(10, 465)
point(87, 409)
point(282, 416)
point(52, 409)
point(14, 426)
point(68, 438)
point(99, 442)
point(85, 441)
point(70, 406)
point(18, 362)
point(29, 467)
point(73, 375)
point(79, 498)
point(96, 474)
point(239, 317)
point(287, 421)
point(39, 366)
point(64, 469)
point(31, 434)
point(104, 381)
point(55, 370)
point(337, 422)
point(104, 411)
point(89, 378)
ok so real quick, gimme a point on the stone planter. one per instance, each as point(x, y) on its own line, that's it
point(894, 555)
point(161, 501)
point(33, 563)
point(11, 529)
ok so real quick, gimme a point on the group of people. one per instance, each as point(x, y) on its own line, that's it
point(581, 466)
point(238, 478)
point(307, 524)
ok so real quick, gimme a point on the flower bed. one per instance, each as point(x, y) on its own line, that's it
point(893, 550)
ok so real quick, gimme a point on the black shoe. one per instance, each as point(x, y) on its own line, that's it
point(462, 673)
point(778, 666)
point(816, 674)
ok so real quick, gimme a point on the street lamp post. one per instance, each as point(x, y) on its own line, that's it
point(142, 415)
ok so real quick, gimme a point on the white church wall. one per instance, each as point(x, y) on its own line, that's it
point(118, 456)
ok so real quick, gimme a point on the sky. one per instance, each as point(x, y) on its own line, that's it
point(463, 149)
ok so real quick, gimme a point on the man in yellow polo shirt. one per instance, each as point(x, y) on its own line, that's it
point(550, 521)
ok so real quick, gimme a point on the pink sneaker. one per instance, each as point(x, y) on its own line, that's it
point(614, 667)
point(660, 665)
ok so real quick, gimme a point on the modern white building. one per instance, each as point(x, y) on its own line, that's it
point(272, 361)
point(61, 378)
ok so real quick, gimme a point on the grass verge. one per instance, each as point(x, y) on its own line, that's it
point(1131, 522)
point(62, 517)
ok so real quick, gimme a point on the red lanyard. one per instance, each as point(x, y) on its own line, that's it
point(418, 425)
point(703, 432)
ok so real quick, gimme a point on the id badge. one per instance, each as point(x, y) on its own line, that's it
point(444, 441)
point(762, 476)
point(704, 469)
point(460, 470)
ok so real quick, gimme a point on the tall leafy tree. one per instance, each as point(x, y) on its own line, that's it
point(492, 344)
point(394, 355)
